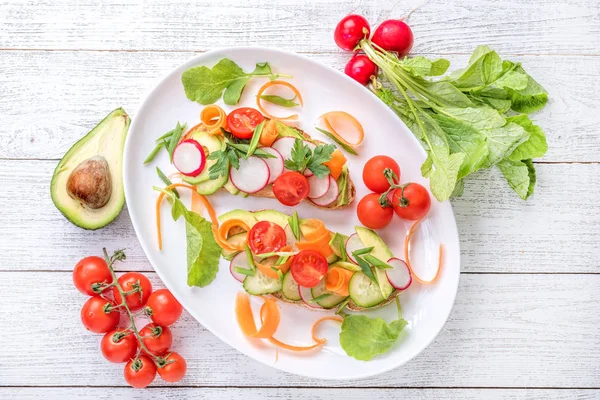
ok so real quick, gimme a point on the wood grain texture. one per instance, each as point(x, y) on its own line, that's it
point(504, 331)
point(556, 230)
point(174, 393)
point(448, 26)
point(51, 99)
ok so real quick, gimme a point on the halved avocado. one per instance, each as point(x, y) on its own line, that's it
point(87, 185)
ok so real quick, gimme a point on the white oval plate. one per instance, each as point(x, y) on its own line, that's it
point(426, 308)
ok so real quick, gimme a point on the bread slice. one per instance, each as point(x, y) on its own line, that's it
point(267, 191)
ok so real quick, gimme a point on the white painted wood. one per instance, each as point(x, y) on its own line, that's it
point(51, 99)
point(174, 393)
point(523, 26)
point(556, 230)
point(504, 331)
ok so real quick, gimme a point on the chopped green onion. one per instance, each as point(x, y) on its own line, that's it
point(276, 253)
point(366, 268)
point(295, 225)
point(360, 252)
point(175, 139)
point(282, 260)
point(280, 274)
point(280, 101)
point(338, 141)
point(153, 153)
point(342, 306)
point(244, 271)
point(376, 262)
point(319, 297)
point(166, 181)
point(250, 258)
point(255, 137)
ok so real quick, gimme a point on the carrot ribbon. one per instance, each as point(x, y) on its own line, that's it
point(328, 117)
point(407, 240)
point(268, 85)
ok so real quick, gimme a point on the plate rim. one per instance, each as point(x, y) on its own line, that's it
point(196, 61)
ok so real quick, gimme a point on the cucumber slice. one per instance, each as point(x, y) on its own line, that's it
point(363, 291)
point(210, 187)
point(261, 284)
point(329, 301)
point(234, 240)
point(290, 287)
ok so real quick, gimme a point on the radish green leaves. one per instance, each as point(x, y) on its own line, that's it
point(206, 86)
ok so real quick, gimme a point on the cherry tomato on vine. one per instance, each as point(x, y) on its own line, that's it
point(361, 68)
point(119, 345)
point(134, 281)
point(173, 369)
point(140, 372)
point(266, 237)
point(290, 188)
point(163, 308)
point(242, 122)
point(374, 176)
point(156, 338)
point(372, 214)
point(98, 316)
point(91, 272)
point(411, 203)
point(350, 30)
point(308, 268)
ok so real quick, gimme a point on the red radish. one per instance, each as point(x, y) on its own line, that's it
point(252, 176)
point(306, 295)
point(361, 68)
point(241, 261)
point(329, 197)
point(318, 186)
point(350, 30)
point(352, 244)
point(275, 164)
point(189, 157)
point(399, 275)
point(308, 173)
point(394, 35)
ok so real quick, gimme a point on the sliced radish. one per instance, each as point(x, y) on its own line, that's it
point(189, 157)
point(399, 275)
point(318, 186)
point(352, 244)
point(241, 261)
point(252, 176)
point(275, 164)
point(308, 173)
point(284, 147)
point(306, 295)
point(329, 197)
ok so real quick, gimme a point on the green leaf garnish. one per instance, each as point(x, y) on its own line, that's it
point(294, 222)
point(376, 262)
point(280, 101)
point(255, 137)
point(360, 252)
point(338, 141)
point(244, 271)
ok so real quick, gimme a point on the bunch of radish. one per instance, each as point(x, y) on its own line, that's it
point(391, 35)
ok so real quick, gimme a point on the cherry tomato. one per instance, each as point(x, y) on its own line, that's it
point(361, 68)
point(157, 338)
point(290, 188)
point(242, 121)
point(371, 214)
point(373, 173)
point(97, 316)
point(129, 282)
point(90, 271)
point(308, 268)
point(163, 308)
point(266, 237)
point(350, 30)
point(140, 372)
point(394, 35)
point(119, 345)
point(174, 369)
point(412, 203)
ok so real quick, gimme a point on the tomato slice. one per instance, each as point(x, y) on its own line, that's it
point(242, 122)
point(266, 237)
point(309, 268)
point(290, 188)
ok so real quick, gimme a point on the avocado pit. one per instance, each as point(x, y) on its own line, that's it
point(90, 182)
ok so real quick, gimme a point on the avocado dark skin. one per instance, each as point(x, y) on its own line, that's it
point(91, 183)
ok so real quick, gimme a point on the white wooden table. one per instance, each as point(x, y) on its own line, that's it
point(526, 323)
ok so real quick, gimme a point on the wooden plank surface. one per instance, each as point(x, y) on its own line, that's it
point(51, 99)
point(450, 26)
point(504, 331)
point(555, 231)
point(292, 393)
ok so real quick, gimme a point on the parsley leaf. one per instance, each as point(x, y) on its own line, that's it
point(304, 158)
point(205, 85)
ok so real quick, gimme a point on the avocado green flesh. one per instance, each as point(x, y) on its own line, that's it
point(107, 139)
point(276, 217)
point(382, 252)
